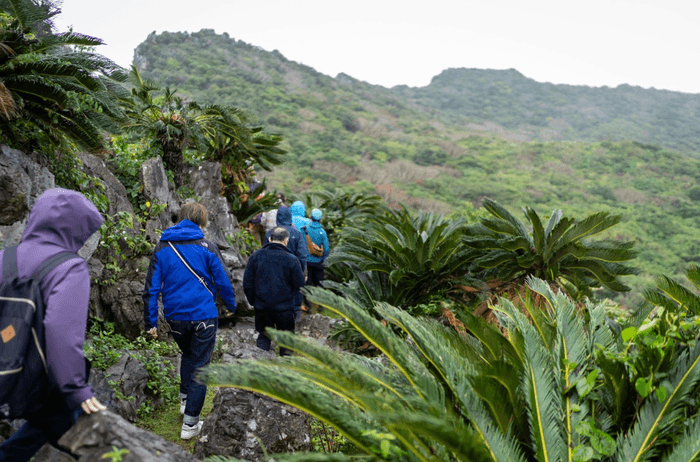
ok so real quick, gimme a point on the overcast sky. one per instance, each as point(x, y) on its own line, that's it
point(647, 43)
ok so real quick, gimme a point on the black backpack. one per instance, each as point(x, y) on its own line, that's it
point(24, 381)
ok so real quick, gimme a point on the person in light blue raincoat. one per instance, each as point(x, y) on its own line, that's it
point(318, 236)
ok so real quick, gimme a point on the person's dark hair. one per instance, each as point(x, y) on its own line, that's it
point(195, 212)
point(279, 234)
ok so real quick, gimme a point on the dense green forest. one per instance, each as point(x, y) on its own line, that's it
point(468, 135)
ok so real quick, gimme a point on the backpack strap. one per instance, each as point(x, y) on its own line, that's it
point(9, 263)
point(51, 263)
point(199, 278)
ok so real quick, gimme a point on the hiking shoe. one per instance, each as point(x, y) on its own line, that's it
point(183, 403)
point(190, 431)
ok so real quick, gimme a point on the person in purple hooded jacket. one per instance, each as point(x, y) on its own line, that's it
point(60, 220)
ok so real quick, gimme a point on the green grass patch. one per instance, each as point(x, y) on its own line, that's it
point(166, 421)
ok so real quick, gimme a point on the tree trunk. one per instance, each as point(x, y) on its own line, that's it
point(175, 162)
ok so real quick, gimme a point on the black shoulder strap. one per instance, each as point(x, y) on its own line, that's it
point(9, 263)
point(51, 263)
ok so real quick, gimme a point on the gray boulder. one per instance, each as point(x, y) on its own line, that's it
point(241, 420)
point(98, 434)
point(316, 326)
point(124, 301)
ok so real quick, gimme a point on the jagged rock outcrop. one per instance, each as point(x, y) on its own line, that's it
point(104, 432)
point(130, 378)
point(22, 181)
point(117, 199)
point(205, 181)
point(240, 421)
point(316, 326)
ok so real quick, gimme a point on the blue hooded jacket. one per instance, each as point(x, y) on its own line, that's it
point(184, 297)
point(299, 219)
point(320, 238)
point(297, 243)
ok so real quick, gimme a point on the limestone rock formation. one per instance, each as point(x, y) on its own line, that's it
point(104, 432)
point(241, 420)
point(21, 181)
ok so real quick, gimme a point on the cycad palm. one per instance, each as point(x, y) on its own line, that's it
point(560, 251)
point(49, 87)
point(419, 255)
point(675, 297)
point(219, 133)
point(531, 393)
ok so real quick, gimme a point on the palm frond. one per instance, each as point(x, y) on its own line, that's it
point(375, 332)
point(544, 405)
point(659, 419)
point(687, 449)
point(502, 213)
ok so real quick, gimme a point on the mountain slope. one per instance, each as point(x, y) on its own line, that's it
point(468, 135)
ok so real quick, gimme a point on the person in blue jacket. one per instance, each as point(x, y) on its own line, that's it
point(271, 280)
point(297, 244)
point(299, 219)
point(314, 263)
point(187, 270)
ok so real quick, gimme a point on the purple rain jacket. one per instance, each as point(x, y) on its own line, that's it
point(62, 220)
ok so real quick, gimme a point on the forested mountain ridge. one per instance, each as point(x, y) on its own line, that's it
point(437, 148)
point(533, 110)
point(546, 111)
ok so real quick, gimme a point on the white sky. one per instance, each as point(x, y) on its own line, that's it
point(648, 43)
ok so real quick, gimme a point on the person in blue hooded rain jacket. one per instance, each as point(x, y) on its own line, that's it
point(299, 219)
point(297, 244)
point(314, 263)
point(189, 302)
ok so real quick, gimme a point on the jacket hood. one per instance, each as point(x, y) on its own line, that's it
point(284, 216)
point(63, 218)
point(298, 209)
point(183, 231)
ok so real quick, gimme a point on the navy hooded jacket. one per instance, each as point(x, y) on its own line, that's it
point(297, 241)
point(272, 278)
point(184, 297)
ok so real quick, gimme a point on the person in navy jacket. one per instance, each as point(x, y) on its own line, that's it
point(271, 280)
point(297, 244)
point(189, 289)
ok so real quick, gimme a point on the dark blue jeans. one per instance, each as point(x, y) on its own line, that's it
point(196, 340)
point(39, 429)
point(280, 320)
point(315, 271)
